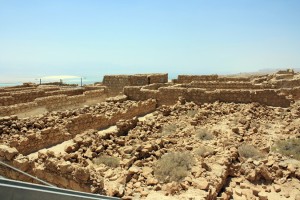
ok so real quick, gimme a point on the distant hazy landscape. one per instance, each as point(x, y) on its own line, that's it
point(89, 79)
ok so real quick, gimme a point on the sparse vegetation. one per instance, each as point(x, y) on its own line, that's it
point(204, 151)
point(107, 160)
point(173, 166)
point(204, 134)
point(191, 113)
point(168, 129)
point(289, 147)
point(249, 151)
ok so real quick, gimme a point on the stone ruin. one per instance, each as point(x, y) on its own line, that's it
point(108, 138)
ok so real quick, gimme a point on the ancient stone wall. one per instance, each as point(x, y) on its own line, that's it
point(237, 79)
point(28, 135)
point(6, 100)
point(190, 78)
point(88, 121)
point(169, 95)
point(294, 92)
point(53, 102)
point(29, 95)
point(201, 78)
point(49, 172)
point(116, 83)
point(287, 71)
point(157, 78)
point(3, 94)
point(25, 96)
point(17, 88)
point(69, 92)
point(213, 85)
point(287, 83)
point(155, 86)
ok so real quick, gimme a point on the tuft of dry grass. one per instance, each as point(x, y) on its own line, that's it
point(204, 151)
point(107, 160)
point(168, 129)
point(191, 113)
point(290, 147)
point(173, 166)
point(249, 151)
point(204, 134)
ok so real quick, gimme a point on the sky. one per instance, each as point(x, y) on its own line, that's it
point(97, 37)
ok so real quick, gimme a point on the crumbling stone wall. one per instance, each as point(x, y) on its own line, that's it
point(169, 95)
point(157, 78)
point(69, 92)
point(287, 83)
point(213, 85)
point(17, 88)
point(294, 92)
point(6, 100)
point(53, 170)
point(29, 95)
point(287, 71)
point(89, 121)
point(201, 78)
point(116, 83)
point(237, 79)
point(190, 78)
point(30, 135)
point(53, 102)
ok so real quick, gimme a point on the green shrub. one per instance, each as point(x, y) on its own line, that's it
point(107, 160)
point(290, 147)
point(204, 151)
point(204, 134)
point(249, 151)
point(173, 166)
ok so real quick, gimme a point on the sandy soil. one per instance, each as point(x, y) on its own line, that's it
point(33, 112)
point(41, 110)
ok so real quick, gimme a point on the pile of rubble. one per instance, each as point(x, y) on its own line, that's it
point(219, 169)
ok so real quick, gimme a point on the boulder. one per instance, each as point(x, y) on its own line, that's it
point(8, 152)
point(201, 183)
point(82, 174)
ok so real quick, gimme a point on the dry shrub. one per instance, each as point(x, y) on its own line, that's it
point(204, 134)
point(168, 129)
point(249, 151)
point(290, 147)
point(191, 113)
point(204, 151)
point(173, 166)
point(107, 160)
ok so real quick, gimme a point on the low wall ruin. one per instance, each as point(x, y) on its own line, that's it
point(169, 95)
point(201, 78)
point(53, 102)
point(29, 95)
point(213, 85)
point(116, 83)
point(31, 135)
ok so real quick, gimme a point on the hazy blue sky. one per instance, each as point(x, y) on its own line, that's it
point(91, 37)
